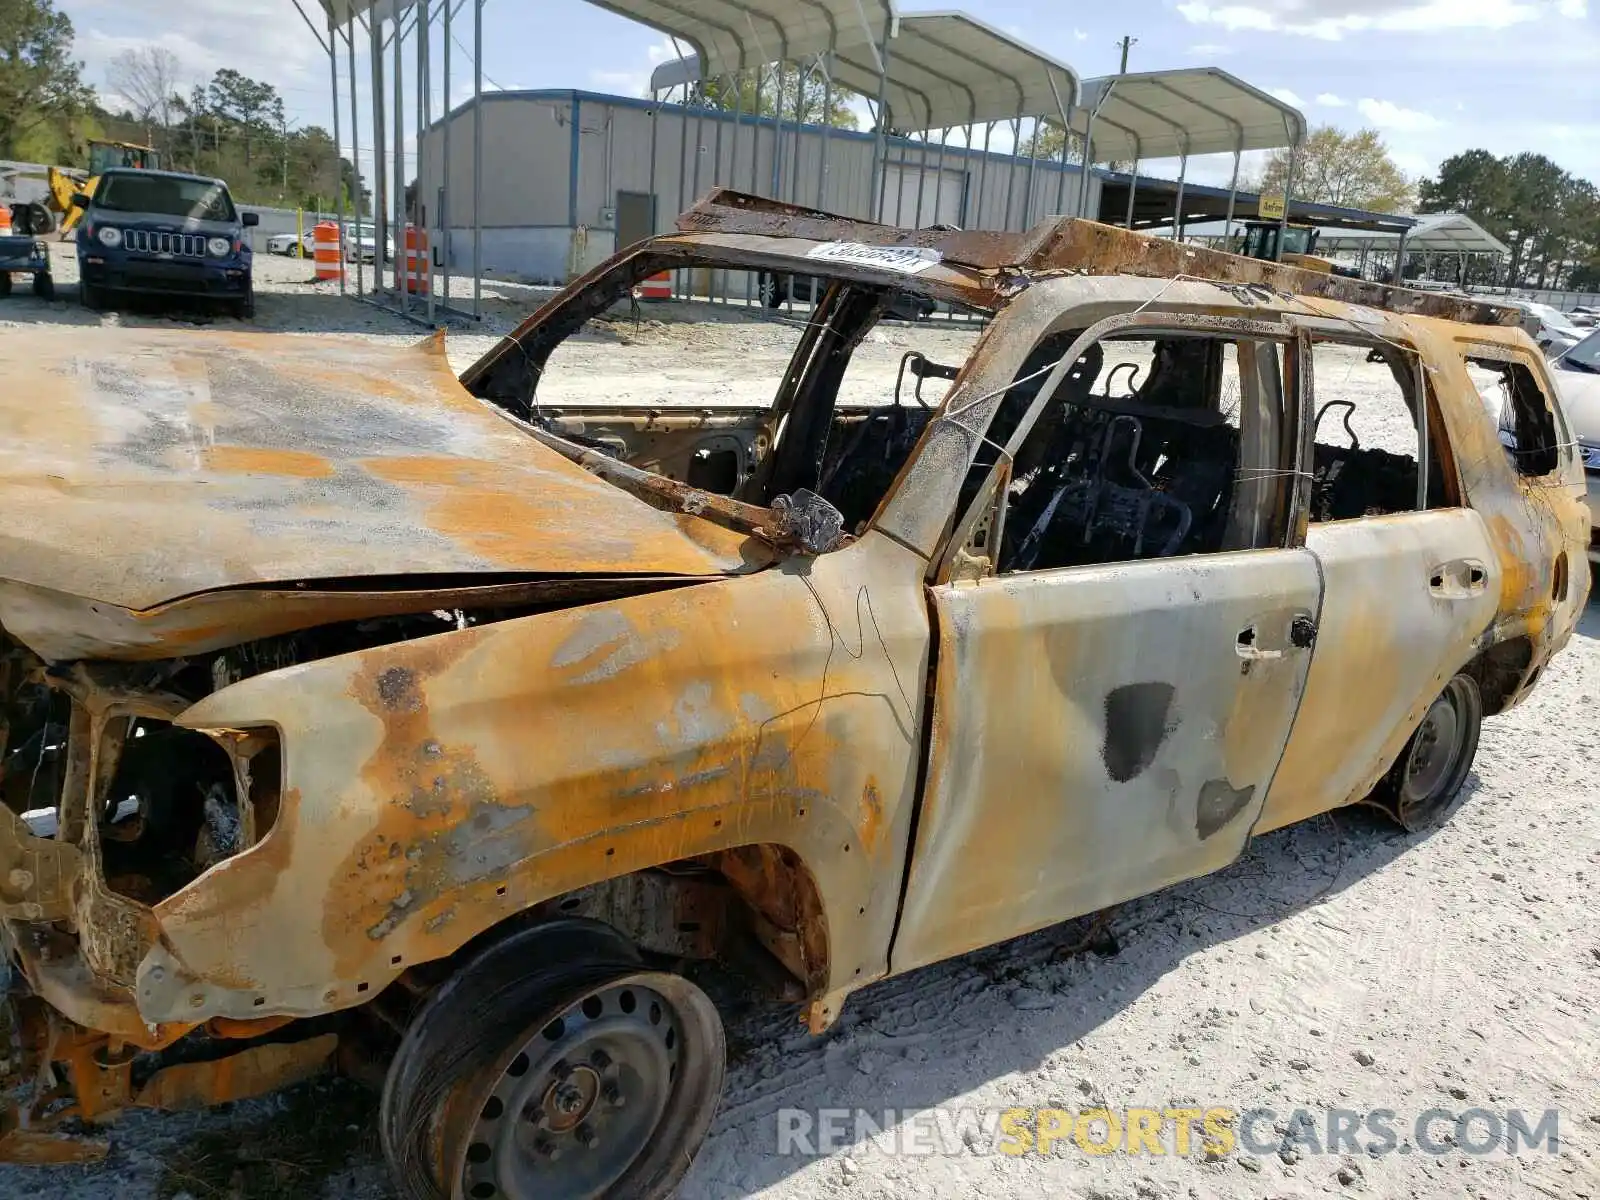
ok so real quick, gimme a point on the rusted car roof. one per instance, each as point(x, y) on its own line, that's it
point(141, 466)
point(1068, 245)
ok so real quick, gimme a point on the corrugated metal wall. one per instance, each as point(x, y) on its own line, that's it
point(551, 186)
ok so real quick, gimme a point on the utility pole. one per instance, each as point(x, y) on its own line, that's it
point(1126, 42)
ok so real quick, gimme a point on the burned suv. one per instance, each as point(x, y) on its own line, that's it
point(354, 713)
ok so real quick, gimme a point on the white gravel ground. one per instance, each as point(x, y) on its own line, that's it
point(1340, 964)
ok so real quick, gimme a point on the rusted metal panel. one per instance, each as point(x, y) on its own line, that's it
point(1098, 732)
point(185, 1087)
point(143, 466)
point(1069, 244)
point(1390, 639)
point(435, 787)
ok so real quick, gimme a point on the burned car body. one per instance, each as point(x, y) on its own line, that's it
point(335, 688)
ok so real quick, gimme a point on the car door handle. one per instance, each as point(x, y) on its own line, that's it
point(1249, 645)
point(1458, 578)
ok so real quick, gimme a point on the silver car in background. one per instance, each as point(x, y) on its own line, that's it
point(1577, 374)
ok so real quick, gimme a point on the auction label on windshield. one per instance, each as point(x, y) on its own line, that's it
point(903, 260)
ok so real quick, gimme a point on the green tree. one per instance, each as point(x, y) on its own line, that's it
point(717, 93)
point(254, 107)
point(1548, 217)
point(1352, 170)
point(40, 82)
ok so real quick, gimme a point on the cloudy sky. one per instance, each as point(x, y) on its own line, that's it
point(1434, 76)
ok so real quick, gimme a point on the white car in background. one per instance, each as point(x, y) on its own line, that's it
point(1577, 375)
point(290, 245)
point(1550, 327)
point(359, 240)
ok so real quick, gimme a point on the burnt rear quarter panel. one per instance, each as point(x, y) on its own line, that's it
point(435, 787)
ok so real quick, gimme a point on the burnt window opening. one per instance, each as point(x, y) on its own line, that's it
point(1151, 447)
point(1367, 440)
point(1522, 413)
point(753, 401)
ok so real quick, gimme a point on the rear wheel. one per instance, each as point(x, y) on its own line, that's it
point(44, 286)
point(1423, 783)
point(5, 284)
point(554, 1064)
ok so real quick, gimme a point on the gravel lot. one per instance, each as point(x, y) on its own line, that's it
point(1340, 964)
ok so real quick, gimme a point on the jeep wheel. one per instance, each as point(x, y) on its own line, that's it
point(1420, 787)
point(5, 284)
point(773, 290)
point(91, 297)
point(245, 309)
point(554, 1064)
point(44, 286)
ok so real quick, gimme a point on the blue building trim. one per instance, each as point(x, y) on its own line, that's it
point(572, 167)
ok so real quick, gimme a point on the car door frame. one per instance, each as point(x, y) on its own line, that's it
point(1407, 597)
point(958, 895)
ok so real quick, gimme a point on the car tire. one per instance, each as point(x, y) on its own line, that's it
point(91, 297)
point(773, 289)
point(1418, 791)
point(44, 286)
point(553, 1063)
point(245, 309)
point(5, 284)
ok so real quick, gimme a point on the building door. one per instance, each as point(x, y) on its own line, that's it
point(636, 218)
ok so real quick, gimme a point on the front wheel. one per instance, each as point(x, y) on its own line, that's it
point(245, 309)
point(774, 290)
point(554, 1064)
point(1423, 783)
point(91, 297)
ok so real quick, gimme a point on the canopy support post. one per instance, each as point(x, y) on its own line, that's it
point(338, 150)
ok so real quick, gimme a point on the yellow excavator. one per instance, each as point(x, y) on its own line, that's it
point(1260, 240)
point(103, 156)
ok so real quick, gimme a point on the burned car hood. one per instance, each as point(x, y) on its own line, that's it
point(140, 466)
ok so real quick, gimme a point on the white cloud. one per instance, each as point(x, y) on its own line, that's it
point(1331, 20)
point(1387, 115)
point(1287, 96)
point(1082, 36)
point(1573, 10)
point(1210, 49)
point(635, 82)
point(1329, 100)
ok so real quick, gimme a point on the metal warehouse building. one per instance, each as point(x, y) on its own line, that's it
point(578, 175)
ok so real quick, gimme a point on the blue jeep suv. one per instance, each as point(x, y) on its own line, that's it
point(162, 233)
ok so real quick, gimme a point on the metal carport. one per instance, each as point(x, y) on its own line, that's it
point(1179, 114)
point(943, 71)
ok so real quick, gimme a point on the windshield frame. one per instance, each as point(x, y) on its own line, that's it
point(203, 207)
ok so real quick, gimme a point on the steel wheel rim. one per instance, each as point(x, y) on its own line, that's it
point(1436, 758)
point(569, 1110)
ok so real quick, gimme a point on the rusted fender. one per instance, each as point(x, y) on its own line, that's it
point(434, 788)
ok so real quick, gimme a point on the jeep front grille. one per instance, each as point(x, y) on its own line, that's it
point(184, 245)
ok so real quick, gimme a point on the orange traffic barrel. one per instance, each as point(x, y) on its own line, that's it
point(5, 220)
point(656, 287)
point(325, 241)
point(419, 271)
